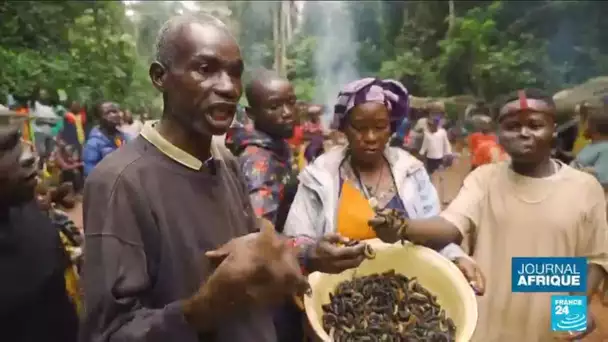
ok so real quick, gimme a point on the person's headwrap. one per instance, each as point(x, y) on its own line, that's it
point(389, 92)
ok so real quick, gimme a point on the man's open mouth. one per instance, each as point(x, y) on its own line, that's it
point(222, 111)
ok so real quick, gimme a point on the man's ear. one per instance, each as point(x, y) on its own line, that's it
point(158, 73)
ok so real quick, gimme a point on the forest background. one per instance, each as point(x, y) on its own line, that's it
point(96, 50)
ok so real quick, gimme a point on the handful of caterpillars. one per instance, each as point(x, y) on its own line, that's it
point(390, 225)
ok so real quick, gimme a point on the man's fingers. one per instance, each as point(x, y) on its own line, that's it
point(221, 252)
point(336, 239)
point(473, 275)
point(353, 252)
point(332, 238)
point(377, 221)
point(479, 284)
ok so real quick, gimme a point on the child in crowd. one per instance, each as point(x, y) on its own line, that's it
point(435, 146)
point(66, 162)
point(483, 144)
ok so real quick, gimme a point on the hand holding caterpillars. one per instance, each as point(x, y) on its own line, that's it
point(390, 225)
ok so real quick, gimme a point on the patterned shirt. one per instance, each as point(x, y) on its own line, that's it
point(267, 165)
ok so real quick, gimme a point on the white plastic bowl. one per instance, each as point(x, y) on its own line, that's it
point(436, 273)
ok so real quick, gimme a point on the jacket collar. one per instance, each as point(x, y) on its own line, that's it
point(325, 169)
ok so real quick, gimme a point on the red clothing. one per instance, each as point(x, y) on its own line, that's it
point(481, 147)
point(298, 136)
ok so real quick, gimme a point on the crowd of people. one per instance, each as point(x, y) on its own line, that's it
point(189, 239)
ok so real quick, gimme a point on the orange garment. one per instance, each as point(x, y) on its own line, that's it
point(482, 147)
point(473, 140)
point(354, 211)
point(26, 133)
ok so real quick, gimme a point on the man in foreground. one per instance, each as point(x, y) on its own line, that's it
point(172, 248)
point(520, 208)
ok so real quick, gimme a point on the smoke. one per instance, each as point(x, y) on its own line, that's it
point(335, 58)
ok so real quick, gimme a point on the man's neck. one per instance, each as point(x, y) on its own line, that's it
point(109, 132)
point(265, 131)
point(542, 169)
point(179, 136)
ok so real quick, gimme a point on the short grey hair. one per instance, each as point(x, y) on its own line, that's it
point(164, 48)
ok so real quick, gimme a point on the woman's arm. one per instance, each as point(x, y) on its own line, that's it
point(305, 219)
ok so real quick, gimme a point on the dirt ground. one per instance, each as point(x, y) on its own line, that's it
point(448, 183)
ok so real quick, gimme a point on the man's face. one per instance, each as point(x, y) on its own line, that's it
point(203, 85)
point(18, 169)
point(275, 108)
point(110, 115)
point(527, 134)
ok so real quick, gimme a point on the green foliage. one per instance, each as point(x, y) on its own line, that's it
point(94, 51)
point(81, 47)
point(483, 61)
point(474, 57)
point(300, 66)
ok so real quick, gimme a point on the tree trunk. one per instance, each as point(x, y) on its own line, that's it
point(451, 17)
point(276, 35)
point(279, 37)
point(289, 21)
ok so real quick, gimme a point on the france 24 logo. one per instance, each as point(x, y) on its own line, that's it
point(568, 313)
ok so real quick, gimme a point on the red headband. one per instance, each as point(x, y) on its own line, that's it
point(523, 104)
point(523, 100)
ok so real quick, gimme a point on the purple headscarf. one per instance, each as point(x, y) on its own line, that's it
point(389, 92)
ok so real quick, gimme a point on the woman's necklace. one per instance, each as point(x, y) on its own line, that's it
point(369, 194)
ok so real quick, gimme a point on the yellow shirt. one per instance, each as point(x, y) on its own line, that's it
point(580, 141)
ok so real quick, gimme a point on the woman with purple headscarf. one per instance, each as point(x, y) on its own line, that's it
point(340, 192)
